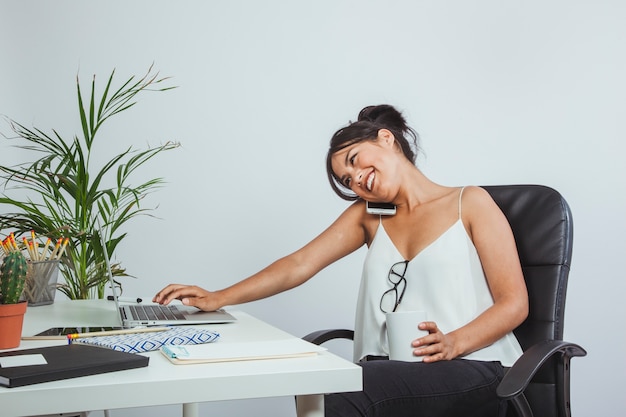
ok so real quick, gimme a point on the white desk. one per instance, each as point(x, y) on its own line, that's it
point(163, 383)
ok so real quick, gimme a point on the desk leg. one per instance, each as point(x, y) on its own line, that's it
point(190, 410)
point(310, 405)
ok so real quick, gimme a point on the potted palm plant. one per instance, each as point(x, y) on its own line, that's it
point(61, 194)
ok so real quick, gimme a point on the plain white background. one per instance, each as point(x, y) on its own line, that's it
point(501, 92)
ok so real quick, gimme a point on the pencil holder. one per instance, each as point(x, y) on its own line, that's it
point(41, 282)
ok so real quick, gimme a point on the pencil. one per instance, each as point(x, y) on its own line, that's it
point(67, 240)
point(35, 246)
point(56, 248)
point(74, 336)
point(45, 249)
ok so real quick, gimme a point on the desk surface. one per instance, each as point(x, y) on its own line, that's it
point(163, 383)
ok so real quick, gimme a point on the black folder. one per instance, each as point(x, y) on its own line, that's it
point(68, 361)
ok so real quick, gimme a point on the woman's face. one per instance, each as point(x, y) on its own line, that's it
point(367, 168)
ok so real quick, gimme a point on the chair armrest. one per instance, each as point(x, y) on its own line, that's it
point(322, 336)
point(518, 377)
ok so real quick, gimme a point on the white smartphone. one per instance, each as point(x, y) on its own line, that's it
point(384, 209)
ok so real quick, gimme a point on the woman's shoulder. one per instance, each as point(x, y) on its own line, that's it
point(468, 195)
point(477, 204)
point(357, 215)
point(473, 194)
point(354, 214)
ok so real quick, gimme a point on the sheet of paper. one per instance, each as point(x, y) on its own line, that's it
point(22, 360)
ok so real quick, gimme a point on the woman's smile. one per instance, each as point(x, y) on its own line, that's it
point(370, 181)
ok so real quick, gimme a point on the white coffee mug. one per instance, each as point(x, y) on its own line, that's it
point(402, 330)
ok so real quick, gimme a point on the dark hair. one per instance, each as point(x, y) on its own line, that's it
point(371, 120)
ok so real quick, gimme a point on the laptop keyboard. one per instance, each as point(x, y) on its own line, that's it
point(155, 312)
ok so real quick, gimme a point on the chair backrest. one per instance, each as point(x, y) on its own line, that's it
point(542, 225)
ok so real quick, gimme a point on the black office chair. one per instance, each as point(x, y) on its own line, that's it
point(539, 382)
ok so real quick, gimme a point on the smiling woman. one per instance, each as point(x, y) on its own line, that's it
point(459, 263)
point(501, 92)
point(371, 121)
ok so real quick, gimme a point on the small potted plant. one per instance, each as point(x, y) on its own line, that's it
point(12, 280)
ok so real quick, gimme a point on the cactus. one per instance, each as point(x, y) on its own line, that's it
point(12, 277)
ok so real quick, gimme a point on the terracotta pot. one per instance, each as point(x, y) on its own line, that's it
point(11, 320)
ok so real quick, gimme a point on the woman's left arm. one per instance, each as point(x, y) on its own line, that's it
point(492, 236)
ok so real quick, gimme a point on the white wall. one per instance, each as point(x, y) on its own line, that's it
point(501, 92)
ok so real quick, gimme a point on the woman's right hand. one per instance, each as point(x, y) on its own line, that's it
point(189, 295)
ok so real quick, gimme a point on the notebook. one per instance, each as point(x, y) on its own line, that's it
point(146, 342)
point(240, 351)
point(52, 363)
point(135, 315)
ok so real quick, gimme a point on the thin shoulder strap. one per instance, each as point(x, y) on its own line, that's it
point(460, 197)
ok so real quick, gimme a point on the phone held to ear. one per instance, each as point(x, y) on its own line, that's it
point(381, 209)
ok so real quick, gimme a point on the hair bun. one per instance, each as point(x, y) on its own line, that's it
point(385, 116)
point(371, 113)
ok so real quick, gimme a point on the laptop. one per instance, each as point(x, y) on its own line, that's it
point(134, 315)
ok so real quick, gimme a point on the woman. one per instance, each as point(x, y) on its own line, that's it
point(459, 263)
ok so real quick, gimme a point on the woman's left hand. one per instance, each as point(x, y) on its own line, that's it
point(436, 346)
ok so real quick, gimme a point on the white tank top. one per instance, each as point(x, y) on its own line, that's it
point(445, 279)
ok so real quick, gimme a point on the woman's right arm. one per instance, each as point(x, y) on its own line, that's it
point(343, 237)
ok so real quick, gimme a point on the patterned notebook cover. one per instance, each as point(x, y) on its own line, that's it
point(145, 342)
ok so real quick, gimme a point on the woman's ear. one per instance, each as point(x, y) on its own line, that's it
point(385, 137)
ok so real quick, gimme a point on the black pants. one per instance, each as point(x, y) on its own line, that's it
point(398, 389)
